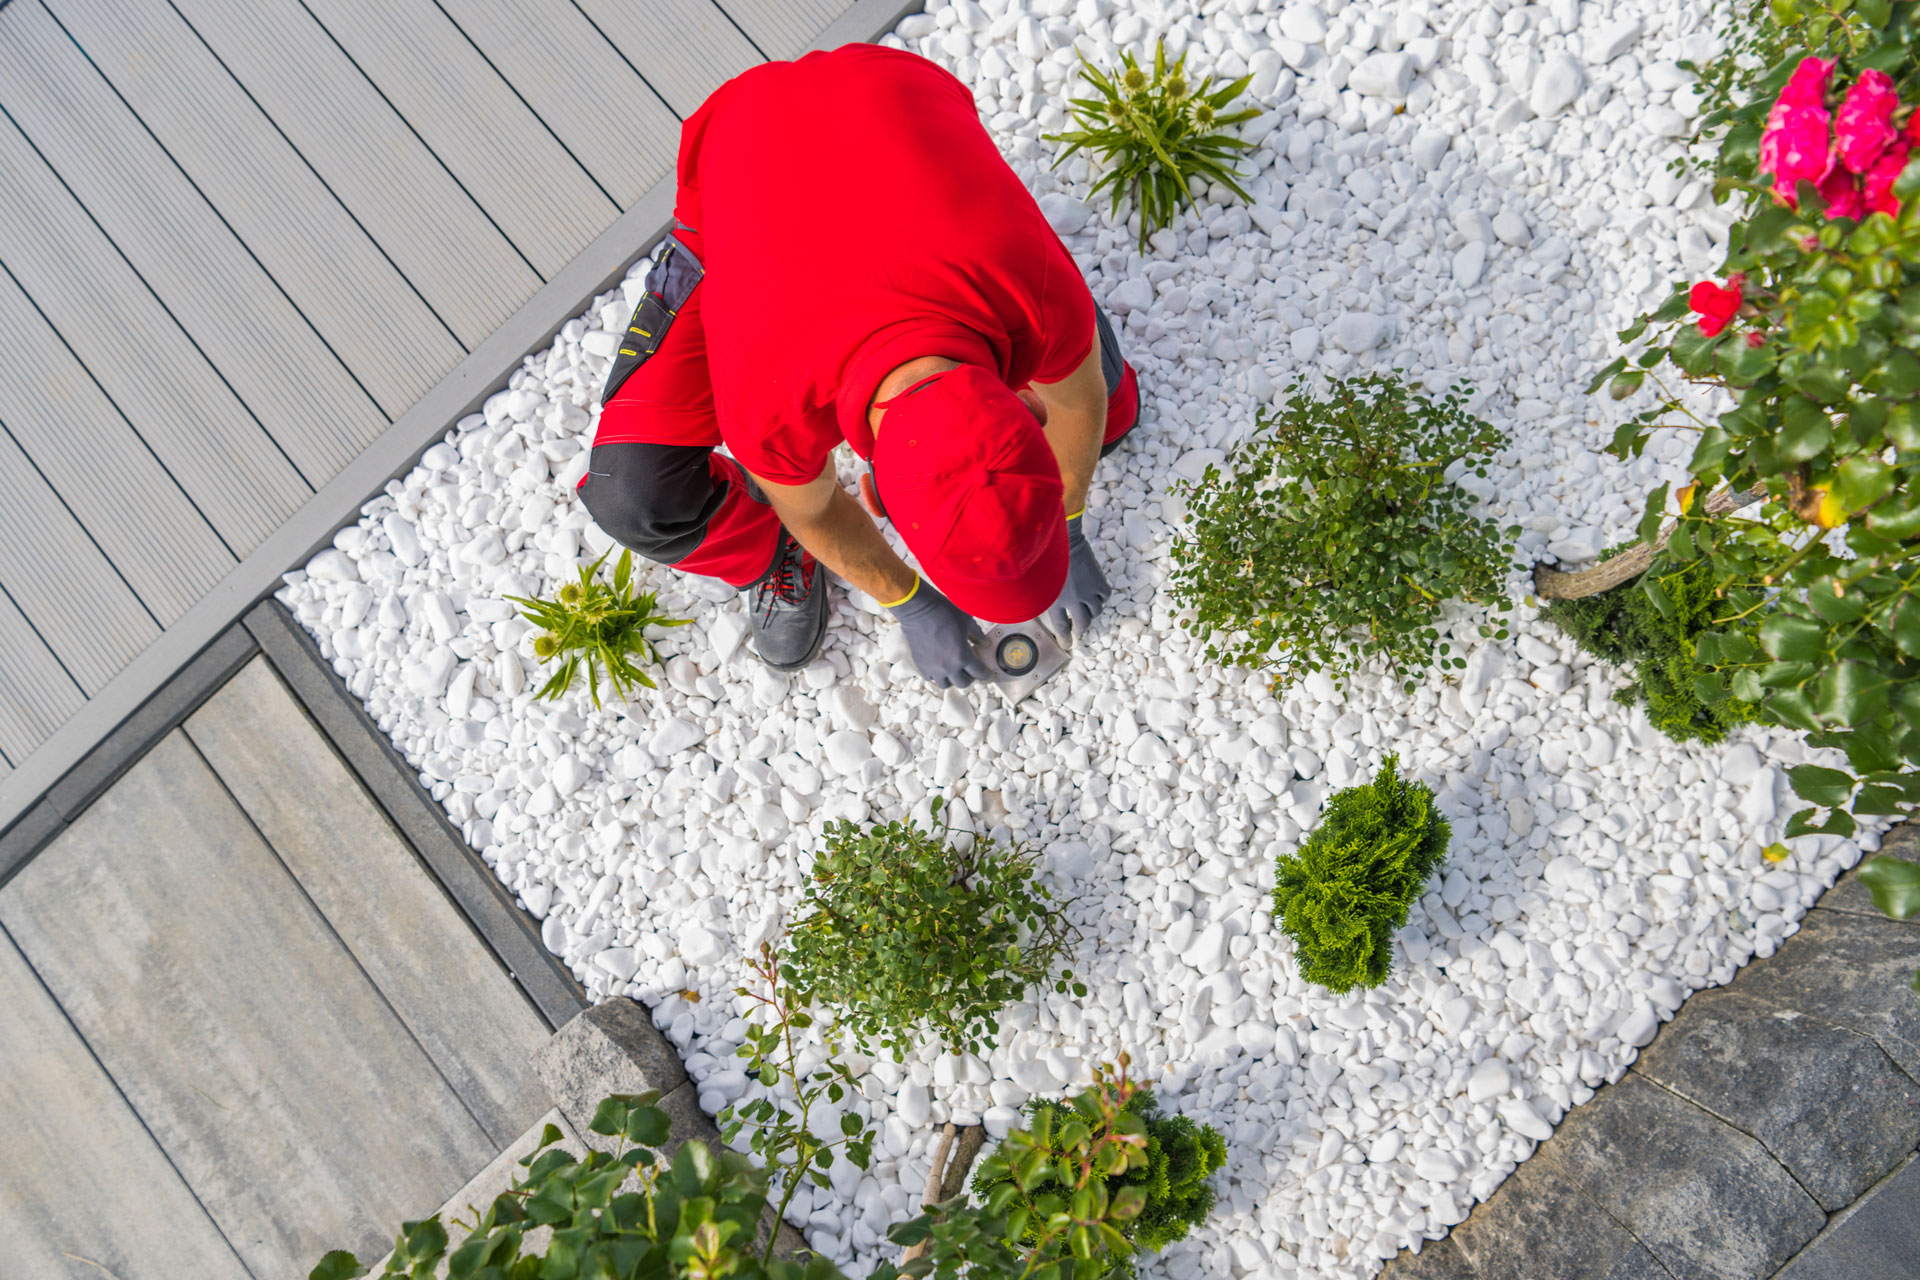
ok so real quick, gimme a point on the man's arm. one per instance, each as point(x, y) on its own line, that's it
point(826, 520)
point(1075, 420)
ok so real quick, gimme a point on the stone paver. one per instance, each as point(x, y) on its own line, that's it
point(1706, 1199)
point(1880, 1241)
point(1825, 1102)
point(1849, 969)
point(1539, 1226)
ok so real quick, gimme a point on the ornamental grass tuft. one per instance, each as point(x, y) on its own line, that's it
point(593, 626)
point(1157, 133)
point(1341, 897)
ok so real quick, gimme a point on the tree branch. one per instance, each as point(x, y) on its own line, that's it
point(1556, 584)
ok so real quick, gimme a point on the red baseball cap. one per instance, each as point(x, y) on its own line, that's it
point(968, 478)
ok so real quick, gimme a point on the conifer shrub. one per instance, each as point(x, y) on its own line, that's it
point(1341, 897)
point(1181, 1159)
point(1627, 627)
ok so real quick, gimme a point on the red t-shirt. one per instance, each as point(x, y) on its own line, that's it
point(855, 215)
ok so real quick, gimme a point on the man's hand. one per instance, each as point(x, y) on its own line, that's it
point(1085, 592)
point(937, 635)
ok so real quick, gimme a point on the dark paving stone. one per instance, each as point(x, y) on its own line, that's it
point(1849, 895)
point(30, 833)
point(1854, 970)
point(1538, 1226)
point(1880, 1241)
point(1826, 1102)
point(1706, 1199)
point(1437, 1260)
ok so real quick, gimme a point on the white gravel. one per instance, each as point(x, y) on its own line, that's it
point(1461, 192)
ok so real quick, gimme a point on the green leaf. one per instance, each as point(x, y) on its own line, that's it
point(337, 1265)
point(1828, 788)
point(1894, 885)
point(1861, 481)
point(1791, 639)
point(648, 1126)
point(1600, 379)
point(1804, 433)
point(1851, 693)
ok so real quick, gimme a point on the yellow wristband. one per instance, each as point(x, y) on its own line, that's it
point(903, 599)
point(1076, 515)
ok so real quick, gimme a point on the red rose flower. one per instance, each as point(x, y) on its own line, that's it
point(1877, 183)
point(1756, 339)
point(1717, 306)
point(1841, 191)
point(1863, 127)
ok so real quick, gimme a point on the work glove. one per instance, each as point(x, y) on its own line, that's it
point(1085, 592)
point(937, 634)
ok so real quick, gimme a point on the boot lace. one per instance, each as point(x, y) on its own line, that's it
point(792, 577)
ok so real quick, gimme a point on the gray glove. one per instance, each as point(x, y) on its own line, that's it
point(1085, 592)
point(937, 635)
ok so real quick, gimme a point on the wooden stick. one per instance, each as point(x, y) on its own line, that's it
point(936, 1178)
point(1555, 584)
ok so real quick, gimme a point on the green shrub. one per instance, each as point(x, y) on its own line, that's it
point(1341, 897)
point(593, 625)
point(1626, 627)
point(1156, 133)
point(1336, 534)
point(1181, 1158)
point(901, 927)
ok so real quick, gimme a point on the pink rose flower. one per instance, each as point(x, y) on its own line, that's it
point(1795, 148)
point(1863, 127)
point(1877, 182)
point(1807, 86)
point(1841, 191)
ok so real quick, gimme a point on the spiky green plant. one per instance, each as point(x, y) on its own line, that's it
point(1349, 887)
point(596, 625)
point(1156, 132)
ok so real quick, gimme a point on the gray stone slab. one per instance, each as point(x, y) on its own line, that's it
point(159, 715)
point(1878, 1241)
point(1826, 1102)
point(1852, 969)
point(611, 1048)
point(508, 930)
point(1707, 1200)
point(461, 1005)
point(1437, 1260)
point(1538, 1226)
point(1849, 895)
point(86, 1191)
point(293, 1101)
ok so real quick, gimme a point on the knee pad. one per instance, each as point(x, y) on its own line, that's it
point(655, 499)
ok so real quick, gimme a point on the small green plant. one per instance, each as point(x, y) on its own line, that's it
point(1341, 897)
point(1156, 133)
point(1627, 627)
point(595, 625)
point(1059, 1199)
point(621, 1214)
point(1336, 534)
point(1181, 1158)
point(789, 1149)
point(901, 927)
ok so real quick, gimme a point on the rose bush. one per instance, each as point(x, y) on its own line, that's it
point(1815, 335)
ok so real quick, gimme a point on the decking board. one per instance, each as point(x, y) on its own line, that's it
point(299, 392)
point(593, 100)
point(783, 28)
point(36, 693)
point(685, 48)
point(105, 473)
point(371, 160)
point(356, 299)
point(486, 136)
point(61, 582)
point(141, 358)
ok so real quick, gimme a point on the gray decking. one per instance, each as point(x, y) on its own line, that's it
point(256, 254)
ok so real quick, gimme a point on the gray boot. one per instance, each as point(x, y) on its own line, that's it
point(789, 608)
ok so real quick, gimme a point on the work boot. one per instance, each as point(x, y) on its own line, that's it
point(789, 608)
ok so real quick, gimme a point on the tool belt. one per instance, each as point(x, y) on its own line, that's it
point(670, 282)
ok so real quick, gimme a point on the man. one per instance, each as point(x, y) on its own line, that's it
point(854, 261)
